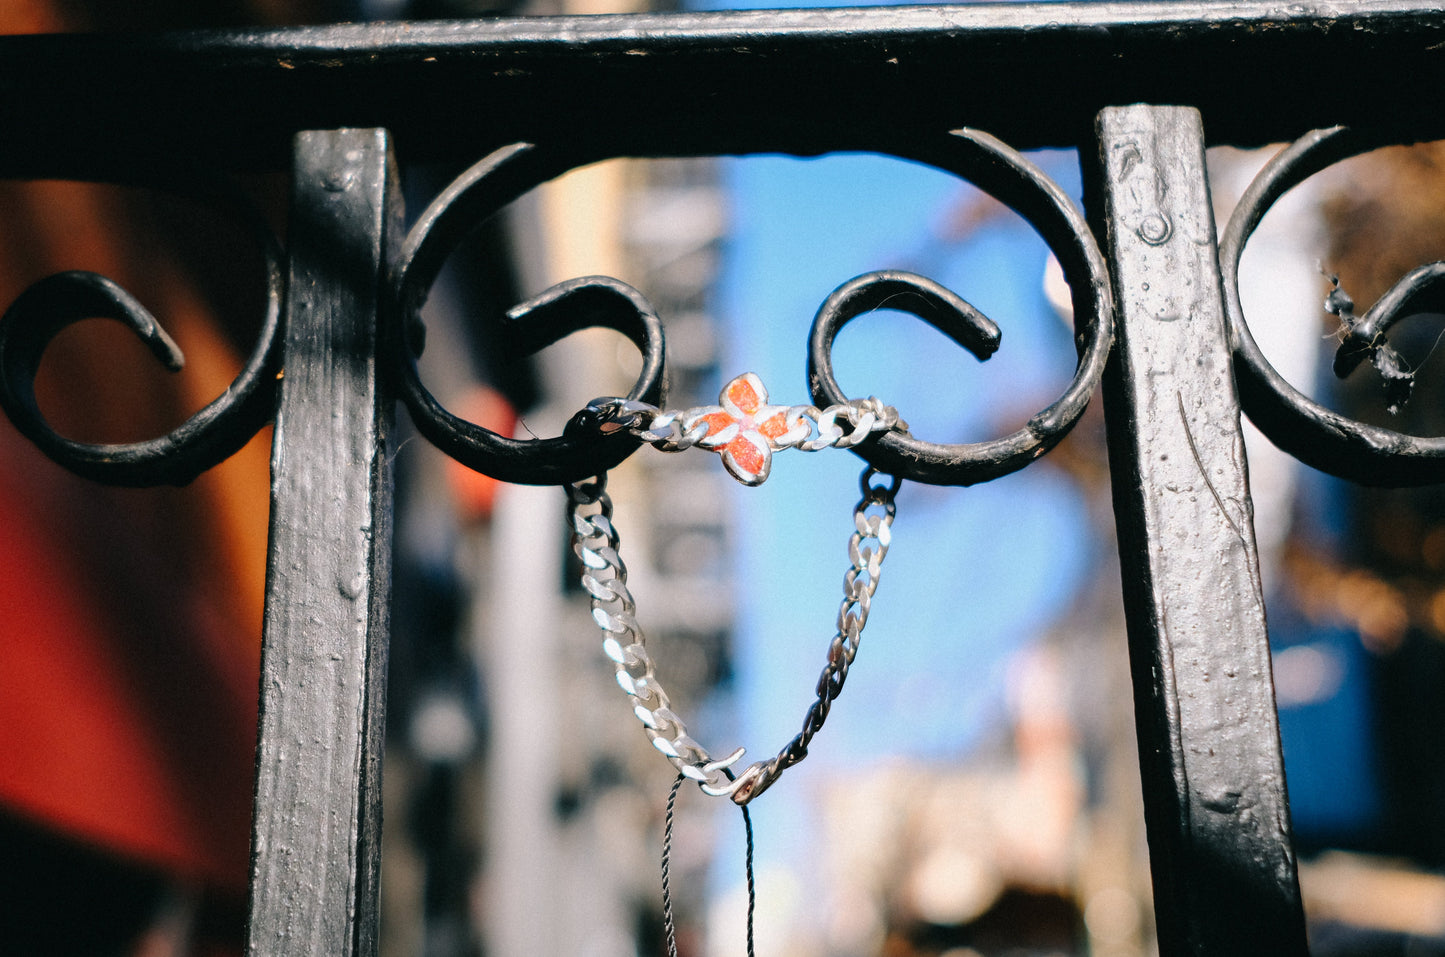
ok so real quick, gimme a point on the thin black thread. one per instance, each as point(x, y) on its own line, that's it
point(669, 925)
point(669, 928)
point(752, 887)
point(1433, 346)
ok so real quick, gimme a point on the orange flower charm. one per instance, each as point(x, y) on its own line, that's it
point(745, 430)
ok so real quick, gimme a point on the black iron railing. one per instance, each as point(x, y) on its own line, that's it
point(1139, 89)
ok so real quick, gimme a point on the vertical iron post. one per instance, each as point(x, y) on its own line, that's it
point(317, 827)
point(1216, 811)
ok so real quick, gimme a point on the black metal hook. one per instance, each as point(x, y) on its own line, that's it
point(1007, 175)
point(591, 301)
point(1365, 337)
point(895, 452)
point(588, 302)
point(1315, 435)
point(204, 440)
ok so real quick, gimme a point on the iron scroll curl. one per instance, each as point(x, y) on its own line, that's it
point(509, 172)
point(1010, 177)
point(1317, 436)
point(208, 437)
point(567, 307)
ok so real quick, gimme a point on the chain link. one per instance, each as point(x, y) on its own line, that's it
point(604, 577)
point(806, 427)
point(744, 429)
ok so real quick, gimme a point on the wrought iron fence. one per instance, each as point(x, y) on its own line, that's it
point(1138, 88)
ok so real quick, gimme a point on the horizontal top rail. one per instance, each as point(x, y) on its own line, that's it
point(801, 81)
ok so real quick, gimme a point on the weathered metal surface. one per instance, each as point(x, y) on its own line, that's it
point(1032, 74)
point(1215, 802)
point(316, 838)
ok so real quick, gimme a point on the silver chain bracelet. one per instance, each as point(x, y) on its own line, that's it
point(604, 577)
point(744, 429)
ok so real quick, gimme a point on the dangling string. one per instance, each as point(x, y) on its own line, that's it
point(752, 889)
point(669, 926)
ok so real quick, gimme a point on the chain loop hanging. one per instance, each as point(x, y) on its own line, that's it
point(604, 577)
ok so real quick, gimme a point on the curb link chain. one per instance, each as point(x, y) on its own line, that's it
point(596, 542)
point(744, 428)
point(806, 427)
